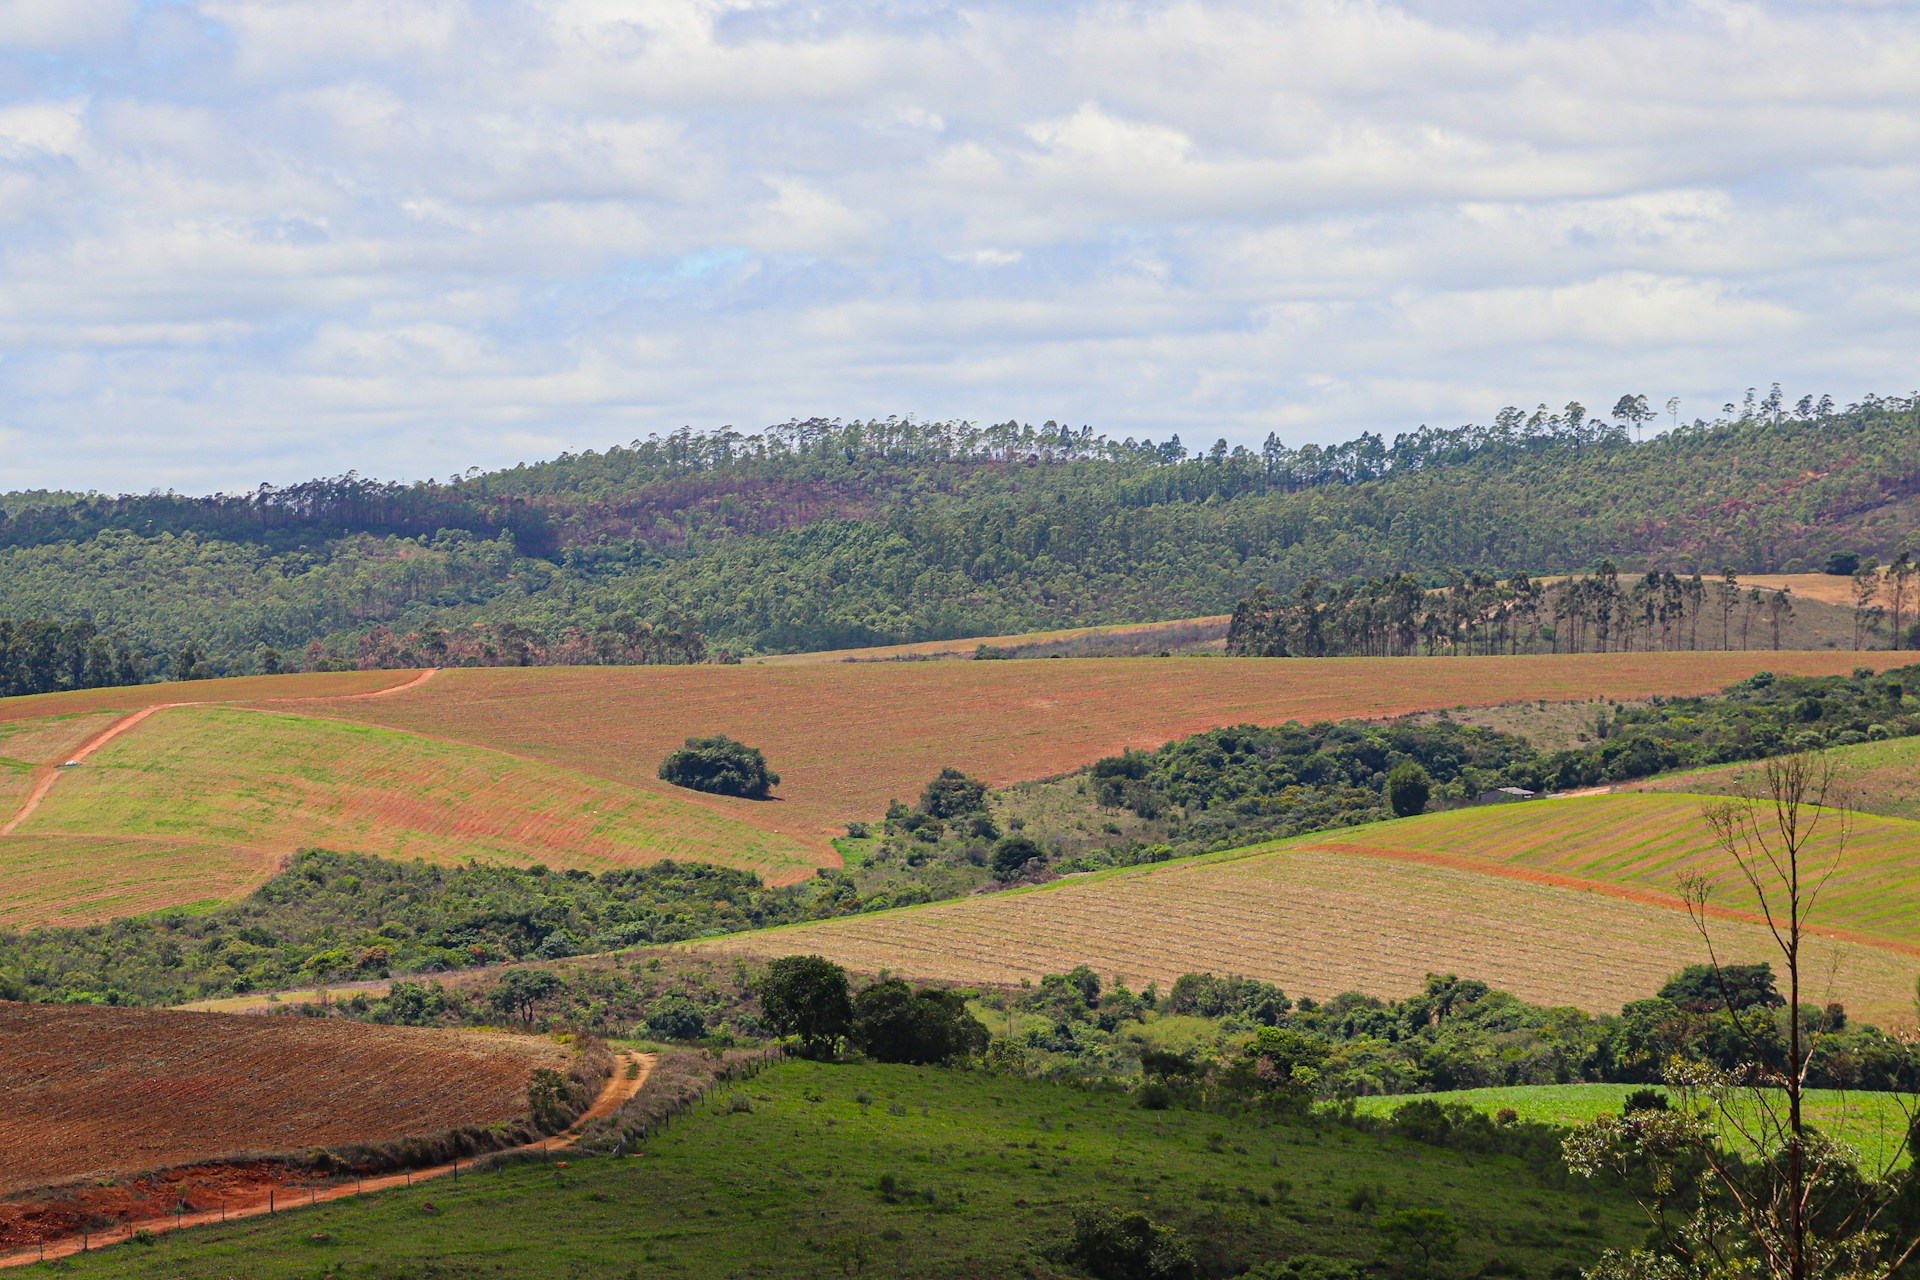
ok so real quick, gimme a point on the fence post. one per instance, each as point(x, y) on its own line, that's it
point(269, 1202)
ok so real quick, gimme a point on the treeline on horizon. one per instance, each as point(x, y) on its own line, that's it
point(1476, 613)
point(824, 534)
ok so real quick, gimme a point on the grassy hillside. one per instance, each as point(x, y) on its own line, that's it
point(817, 1171)
point(231, 793)
point(1878, 777)
point(1318, 921)
point(1874, 1123)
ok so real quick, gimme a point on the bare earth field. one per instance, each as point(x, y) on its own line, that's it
point(847, 737)
point(89, 1091)
point(1319, 922)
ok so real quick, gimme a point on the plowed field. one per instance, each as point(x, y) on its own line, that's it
point(76, 880)
point(89, 1092)
point(847, 737)
point(1318, 923)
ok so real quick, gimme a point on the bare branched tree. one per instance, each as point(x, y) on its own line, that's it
point(1741, 1183)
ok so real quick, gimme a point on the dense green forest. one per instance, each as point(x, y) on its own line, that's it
point(821, 534)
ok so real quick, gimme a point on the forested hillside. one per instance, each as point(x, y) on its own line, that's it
point(823, 534)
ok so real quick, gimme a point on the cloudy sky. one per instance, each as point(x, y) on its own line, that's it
point(246, 240)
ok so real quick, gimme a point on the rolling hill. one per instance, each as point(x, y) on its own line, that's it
point(201, 797)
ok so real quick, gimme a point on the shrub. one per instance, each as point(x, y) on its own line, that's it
point(1421, 1236)
point(1308, 1266)
point(721, 766)
point(953, 794)
point(677, 1018)
point(1121, 1244)
point(1012, 855)
point(1843, 563)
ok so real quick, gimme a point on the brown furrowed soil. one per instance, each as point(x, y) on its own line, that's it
point(1319, 922)
point(79, 880)
point(847, 737)
point(326, 684)
point(91, 1092)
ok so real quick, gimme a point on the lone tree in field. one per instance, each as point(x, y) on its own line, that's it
point(720, 765)
point(808, 997)
point(521, 991)
point(1787, 1202)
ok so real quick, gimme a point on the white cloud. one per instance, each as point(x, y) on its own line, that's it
point(246, 239)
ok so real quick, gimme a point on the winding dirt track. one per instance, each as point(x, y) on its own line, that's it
point(613, 1095)
point(43, 783)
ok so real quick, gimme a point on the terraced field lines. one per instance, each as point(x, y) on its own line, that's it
point(1319, 923)
point(1649, 842)
point(87, 1090)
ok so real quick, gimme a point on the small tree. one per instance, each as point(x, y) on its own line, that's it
point(1421, 1236)
point(1408, 789)
point(894, 1023)
point(548, 1098)
point(1125, 1244)
point(1788, 1202)
point(720, 765)
point(520, 992)
point(808, 997)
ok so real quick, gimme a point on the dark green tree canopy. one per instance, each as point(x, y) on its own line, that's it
point(894, 1023)
point(952, 794)
point(720, 765)
point(1013, 855)
point(808, 997)
point(1408, 788)
point(1742, 986)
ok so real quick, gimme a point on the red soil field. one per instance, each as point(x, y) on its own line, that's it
point(325, 684)
point(91, 1092)
point(847, 737)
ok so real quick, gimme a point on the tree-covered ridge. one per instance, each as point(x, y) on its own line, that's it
point(833, 535)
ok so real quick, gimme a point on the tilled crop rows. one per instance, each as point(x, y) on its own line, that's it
point(88, 1091)
point(1651, 841)
point(846, 737)
point(1319, 923)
